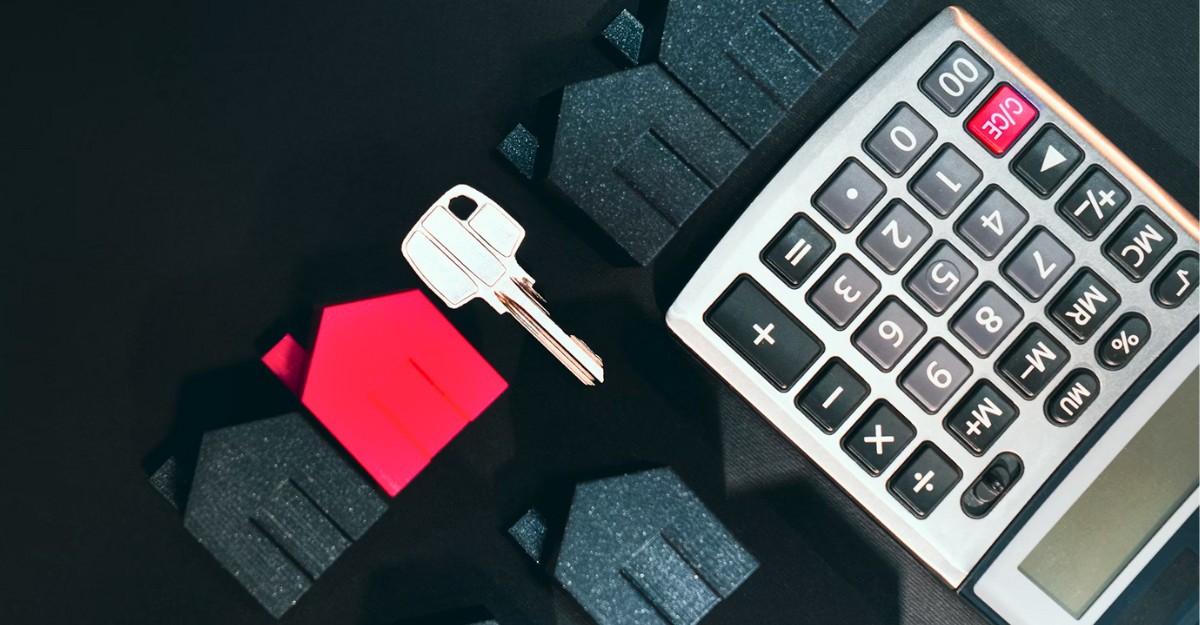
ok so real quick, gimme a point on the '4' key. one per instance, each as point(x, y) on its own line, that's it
point(465, 259)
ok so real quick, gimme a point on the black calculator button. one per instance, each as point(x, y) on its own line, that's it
point(935, 375)
point(955, 79)
point(946, 180)
point(924, 480)
point(1032, 362)
point(900, 139)
point(849, 194)
point(832, 395)
point(797, 250)
point(878, 438)
point(1047, 161)
point(1139, 244)
point(1038, 263)
point(888, 335)
point(843, 292)
point(941, 277)
point(986, 320)
point(1177, 281)
point(1123, 341)
point(765, 334)
point(1093, 202)
point(1072, 397)
point(980, 418)
point(1084, 306)
point(894, 236)
point(992, 222)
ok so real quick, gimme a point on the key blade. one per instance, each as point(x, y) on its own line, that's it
point(573, 353)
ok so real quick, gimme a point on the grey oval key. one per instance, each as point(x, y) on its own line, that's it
point(461, 260)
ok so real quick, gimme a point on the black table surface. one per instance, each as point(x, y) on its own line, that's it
point(183, 181)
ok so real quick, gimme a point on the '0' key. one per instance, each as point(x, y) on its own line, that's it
point(464, 259)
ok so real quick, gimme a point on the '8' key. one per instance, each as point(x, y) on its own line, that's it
point(475, 258)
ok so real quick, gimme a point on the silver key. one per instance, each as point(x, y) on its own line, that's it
point(464, 259)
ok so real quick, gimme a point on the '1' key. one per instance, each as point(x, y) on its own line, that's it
point(465, 259)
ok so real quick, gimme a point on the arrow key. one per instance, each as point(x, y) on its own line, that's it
point(1047, 161)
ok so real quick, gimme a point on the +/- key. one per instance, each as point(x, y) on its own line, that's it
point(475, 258)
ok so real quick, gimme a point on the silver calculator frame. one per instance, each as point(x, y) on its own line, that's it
point(949, 542)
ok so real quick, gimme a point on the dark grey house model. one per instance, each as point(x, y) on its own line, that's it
point(639, 549)
point(639, 150)
point(274, 503)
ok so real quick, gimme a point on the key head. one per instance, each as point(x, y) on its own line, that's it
point(461, 259)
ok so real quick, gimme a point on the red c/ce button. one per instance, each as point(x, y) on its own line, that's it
point(1001, 120)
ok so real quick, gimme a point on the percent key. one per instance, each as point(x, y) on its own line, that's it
point(1123, 341)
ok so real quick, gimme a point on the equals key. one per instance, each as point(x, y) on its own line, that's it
point(475, 258)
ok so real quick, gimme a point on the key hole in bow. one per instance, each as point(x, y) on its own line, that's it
point(462, 207)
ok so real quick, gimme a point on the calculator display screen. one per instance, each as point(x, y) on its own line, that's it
point(1123, 508)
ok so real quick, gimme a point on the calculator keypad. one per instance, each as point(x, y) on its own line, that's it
point(900, 139)
point(1038, 264)
point(844, 291)
point(764, 333)
point(849, 194)
point(980, 418)
point(1047, 161)
point(941, 278)
point(1139, 244)
point(1084, 305)
point(925, 480)
point(1123, 341)
point(1031, 363)
point(895, 236)
point(955, 79)
point(888, 335)
point(1093, 202)
point(992, 222)
point(987, 320)
point(946, 180)
point(832, 395)
point(878, 438)
point(1177, 282)
point(797, 250)
point(935, 376)
point(1005, 280)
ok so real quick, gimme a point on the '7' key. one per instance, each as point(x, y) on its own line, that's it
point(464, 259)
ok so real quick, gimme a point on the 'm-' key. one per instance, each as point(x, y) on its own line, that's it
point(464, 259)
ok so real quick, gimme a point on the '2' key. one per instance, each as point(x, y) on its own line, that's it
point(465, 259)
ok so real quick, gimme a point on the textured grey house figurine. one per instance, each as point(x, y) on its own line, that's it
point(274, 503)
point(639, 549)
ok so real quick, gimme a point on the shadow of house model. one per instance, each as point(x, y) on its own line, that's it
point(639, 549)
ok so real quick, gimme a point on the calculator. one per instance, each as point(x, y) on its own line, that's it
point(979, 318)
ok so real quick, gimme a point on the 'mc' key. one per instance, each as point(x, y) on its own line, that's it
point(1140, 243)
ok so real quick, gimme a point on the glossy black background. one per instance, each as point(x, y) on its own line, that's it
point(183, 181)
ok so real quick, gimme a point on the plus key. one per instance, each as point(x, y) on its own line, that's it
point(762, 332)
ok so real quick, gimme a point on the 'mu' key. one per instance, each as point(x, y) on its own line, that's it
point(465, 259)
